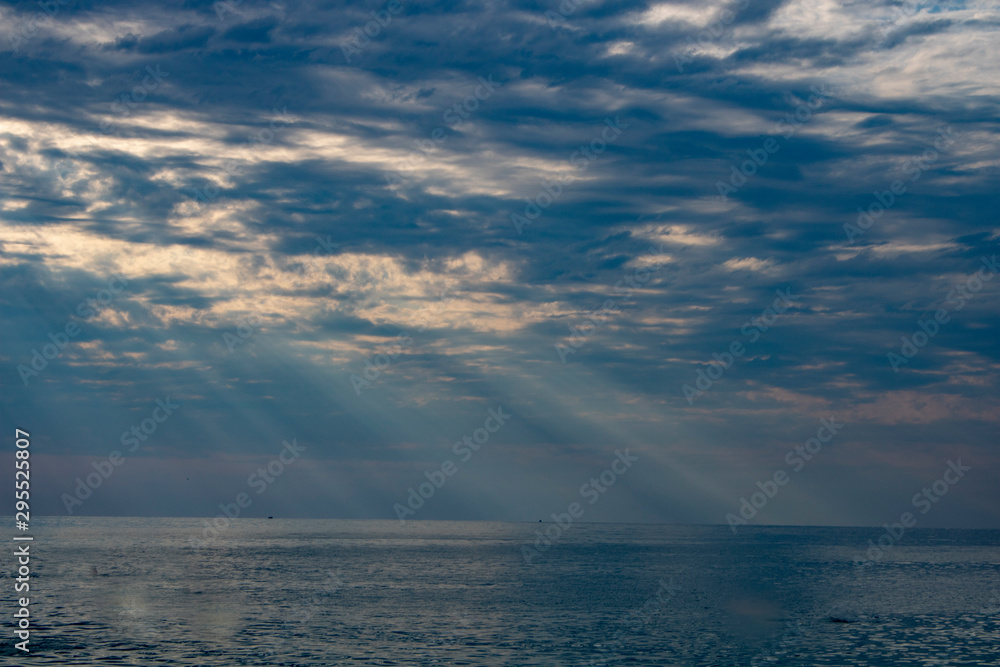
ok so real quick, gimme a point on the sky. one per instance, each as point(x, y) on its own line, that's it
point(300, 251)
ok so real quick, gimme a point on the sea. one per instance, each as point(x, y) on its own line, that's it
point(140, 591)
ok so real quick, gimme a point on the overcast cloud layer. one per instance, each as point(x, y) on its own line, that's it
point(355, 199)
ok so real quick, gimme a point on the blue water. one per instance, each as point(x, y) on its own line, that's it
point(308, 592)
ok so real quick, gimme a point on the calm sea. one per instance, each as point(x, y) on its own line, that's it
point(299, 592)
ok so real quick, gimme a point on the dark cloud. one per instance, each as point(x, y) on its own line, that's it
point(263, 174)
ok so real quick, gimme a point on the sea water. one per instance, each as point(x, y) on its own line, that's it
point(130, 591)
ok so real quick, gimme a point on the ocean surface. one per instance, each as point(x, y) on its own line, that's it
point(314, 592)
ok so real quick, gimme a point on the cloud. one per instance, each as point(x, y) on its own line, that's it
point(215, 190)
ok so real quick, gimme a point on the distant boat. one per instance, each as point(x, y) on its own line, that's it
point(270, 517)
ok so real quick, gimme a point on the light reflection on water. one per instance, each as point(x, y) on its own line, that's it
point(134, 592)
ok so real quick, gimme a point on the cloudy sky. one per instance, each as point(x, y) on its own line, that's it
point(361, 226)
